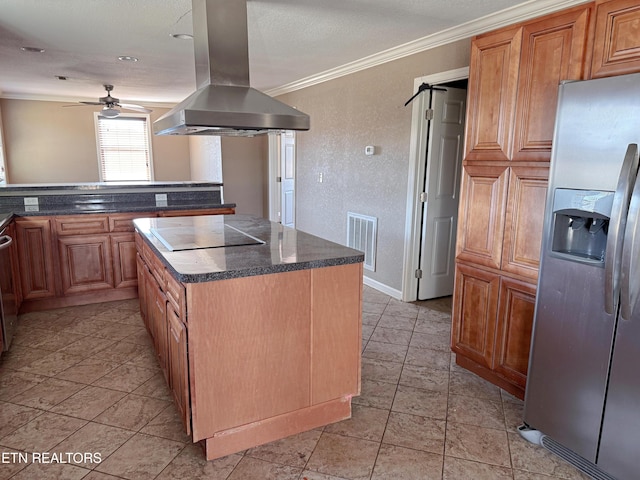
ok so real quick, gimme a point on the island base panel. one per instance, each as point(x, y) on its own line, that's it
point(246, 436)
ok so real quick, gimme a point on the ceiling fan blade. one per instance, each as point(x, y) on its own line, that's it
point(136, 108)
point(91, 103)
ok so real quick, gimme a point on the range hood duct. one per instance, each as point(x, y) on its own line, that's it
point(224, 103)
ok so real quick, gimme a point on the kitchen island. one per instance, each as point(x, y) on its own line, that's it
point(256, 326)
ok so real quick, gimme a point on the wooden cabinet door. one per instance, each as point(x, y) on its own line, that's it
point(123, 249)
point(179, 366)
point(524, 220)
point(157, 311)
point(475, 304)
point(142, 273)
point(513, 330)
point(35, 256)
point(616, 47)
point(481, 214)
point(85, 263)
point(493, 76)
point(553, 49)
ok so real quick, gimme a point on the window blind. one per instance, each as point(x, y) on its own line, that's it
point(124, 152)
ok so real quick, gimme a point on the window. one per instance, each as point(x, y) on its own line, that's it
point(124, 149)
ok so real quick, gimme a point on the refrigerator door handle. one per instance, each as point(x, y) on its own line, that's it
point(615, 237)
point(630, 283)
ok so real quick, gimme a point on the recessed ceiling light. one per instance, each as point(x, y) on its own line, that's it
point(127, 58)
point(61, 77)
point(32, 49)
point(182, 36)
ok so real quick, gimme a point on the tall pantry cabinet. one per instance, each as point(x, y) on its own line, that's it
point(513, 79)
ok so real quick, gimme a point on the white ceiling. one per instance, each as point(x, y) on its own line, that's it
point(291, 42)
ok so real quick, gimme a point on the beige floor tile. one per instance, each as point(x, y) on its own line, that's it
point(373, 308)
point(52, 364)
point(385, 351)
point(121, 352)
point(57, 340)
point(51, 471)
point(341, 456)
point(132, 412)
point(391, 335)
point(433, 327)
point(141, 457)
point(12, 463)
point(42, 433)
point(88, 403)
point(466, 383)
point(427, 357)
point(254, 469)
point(125, 378)
point(402, 463)
point(400, 309)
point(93, 475)
point(437, 312)
point(513, 415)
point(87, 346)
point(536, 459)
point(190, 464)
point(370, 318)
point(155, 387)
point(367, 331)
point(145, 359)
point(365, 422)
point(87, 371)
point(115, 331)
point(424, 403)
point(14, 383)
point(96, 439)
point(20, 356)
point(434, 342)
point(311, 475)
point(167, 424)
point(413, 431)
point(480, 444)
point(14, 416)
point(475, 411)
point(459, 469)
point(399, 323)
point(47, 394)
point(375, 394)
point(381, 371)
point(426, 378)
point(294, 450)
point(86, 326)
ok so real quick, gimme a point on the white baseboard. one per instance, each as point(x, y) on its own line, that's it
point(381, 287)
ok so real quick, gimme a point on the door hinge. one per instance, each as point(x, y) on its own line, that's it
point(423, 197)
point(428, 114)
point(279, 179)
point(418, 273)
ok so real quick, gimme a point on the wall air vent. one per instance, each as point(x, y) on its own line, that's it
point(361, 235)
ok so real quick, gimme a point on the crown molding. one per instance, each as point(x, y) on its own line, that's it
point(503, 18)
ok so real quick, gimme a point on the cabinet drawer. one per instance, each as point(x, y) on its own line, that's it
point(81, 224)
point(123, 222)
point(175, 295)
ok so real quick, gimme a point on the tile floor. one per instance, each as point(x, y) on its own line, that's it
point(83, 381)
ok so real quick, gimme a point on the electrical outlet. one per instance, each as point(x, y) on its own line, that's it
point(320, 177)
point(31, 201)
point(161, 199)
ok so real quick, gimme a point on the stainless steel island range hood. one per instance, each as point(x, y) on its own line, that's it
point(224, 103)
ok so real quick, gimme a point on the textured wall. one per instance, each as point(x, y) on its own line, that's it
point(45, 142)
point(206, 158)
point(365, 108)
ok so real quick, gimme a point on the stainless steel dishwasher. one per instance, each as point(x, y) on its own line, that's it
point(8, 307)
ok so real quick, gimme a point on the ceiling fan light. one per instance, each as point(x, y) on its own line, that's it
point(108, 112)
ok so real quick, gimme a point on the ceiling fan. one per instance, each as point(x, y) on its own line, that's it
point(110, 103)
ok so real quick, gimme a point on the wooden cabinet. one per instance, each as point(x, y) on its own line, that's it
point(35, 257)
point(553, 49)
point(157, 321)
point(179, 366)
point(123, 251)
point(481, 213)
point(85, 263)
point(513, 94)
point(493, 76)
point(616, 46)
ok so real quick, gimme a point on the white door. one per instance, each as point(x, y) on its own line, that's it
point(441, 192)
point(288, 178)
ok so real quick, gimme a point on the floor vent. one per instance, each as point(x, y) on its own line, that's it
point(576, 460)
point(361, 235)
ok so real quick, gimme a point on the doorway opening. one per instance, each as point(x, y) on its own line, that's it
point(437, 148)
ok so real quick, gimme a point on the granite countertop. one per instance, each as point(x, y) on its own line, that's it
point(282, 249)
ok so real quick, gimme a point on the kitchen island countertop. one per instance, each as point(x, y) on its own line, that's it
point(277, 248)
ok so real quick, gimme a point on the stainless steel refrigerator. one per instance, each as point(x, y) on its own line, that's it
point(583, 386)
